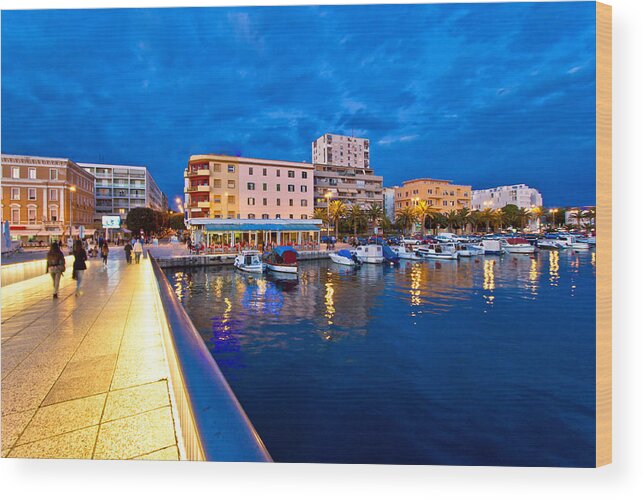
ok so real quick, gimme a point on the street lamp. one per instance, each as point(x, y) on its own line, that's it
point(553, 212)
point(72, 189)
point(328, 195)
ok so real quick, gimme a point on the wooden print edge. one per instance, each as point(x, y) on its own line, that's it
point(604, 234)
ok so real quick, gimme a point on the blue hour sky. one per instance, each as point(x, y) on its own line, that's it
point(482, 94)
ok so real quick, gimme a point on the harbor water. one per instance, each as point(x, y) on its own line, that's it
point(481, 361)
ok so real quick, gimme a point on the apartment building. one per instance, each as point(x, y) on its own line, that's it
point(219, 186)
point(389, 202)
point(520, 195)
point(120, 188)
point(341, 150)
point(441, 194)
point(41, 194)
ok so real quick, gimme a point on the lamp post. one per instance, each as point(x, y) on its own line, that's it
point(553, 212)
point(328, 195)
point(72, 189)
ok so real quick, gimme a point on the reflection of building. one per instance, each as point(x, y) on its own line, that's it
point(341, 150)
point(219, 186)
point(441, 194)
point(38, 194)
point(120, 188)
point(585, 216)
point(498, 197)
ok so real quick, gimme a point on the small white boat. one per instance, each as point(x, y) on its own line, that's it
point(370, 253)
point(573, 242)
point(249, 261)
point(404, 253)
point(519, 245)
point(492, 246)
point(440, 251)
point(550, 244)
point(282, 259)
point(470, 250)
point(345, 257)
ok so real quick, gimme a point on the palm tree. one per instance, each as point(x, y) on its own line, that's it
point(424, 212)
point(406, 218)
point(486, 216)
point(537, 214)
point(578, 216)
point(523, 217)
point(452, 220)
point(498, 218)
point(475, 219)
point(355, 217)
point(374, 214)
point(463, 218)
point(321, 214)
point(337, 211)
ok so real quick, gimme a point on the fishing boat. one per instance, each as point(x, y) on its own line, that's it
point(249, 261)
point(470, 250)
point(370, 253)
point(282, 259)
point(345, 257)
point(518, 245)
point(404, 253)
point(441, 251)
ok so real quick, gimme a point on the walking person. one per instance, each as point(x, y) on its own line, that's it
point(55, 265)
point(104, 252)
point(70, 245)
point(128, 252)
point(80, 257)
point(138, 249)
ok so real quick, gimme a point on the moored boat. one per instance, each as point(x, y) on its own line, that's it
point(492, 246)
point(405, 253)
point(282, 259)
point(345, 257)
point(249, 261)
point(441, 251)
point(518, 245)
point(470, 250)
point(370, 253)
point(550, 244)
point(574, 242)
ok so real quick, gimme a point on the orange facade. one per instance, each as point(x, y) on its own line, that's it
point(441, 194)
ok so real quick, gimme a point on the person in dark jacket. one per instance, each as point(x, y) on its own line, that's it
point(55, 265)
point(128, 252)
point(104, 252)
point(80, 257)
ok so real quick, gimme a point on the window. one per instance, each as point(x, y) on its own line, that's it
point(304, 202)
point(32, 173)
point(216, 168)
point(265, 216)
point(15, 172)
point(291, 216)
point(278, 201)
point(15, 193)
point(250, 170)
point(230, 184)
point(445, 203)
point(15, 215)
point(291, 174)
point(265, 186)
point(251, 201)
point(265, 201)
point(304, 217)
point(230, 168)
point(304, 188)
point(53, 174)
point(251, 186)
point(278, 173)
point(31, 215)
point(53, 213)
point(291, 202)
point(278, 187)
point(31, 194)
point(304, 174)
point(277, 216)
point(251, 216)
point(291, 188)
point(265, 172)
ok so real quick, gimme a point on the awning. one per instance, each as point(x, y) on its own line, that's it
point(303, 227)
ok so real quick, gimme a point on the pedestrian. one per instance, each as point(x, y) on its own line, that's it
point(80, 257)
point(128, 252)
point(104, 251)
point(138, 249)
point(55, 265)
point(189, 244)
point(70, 244)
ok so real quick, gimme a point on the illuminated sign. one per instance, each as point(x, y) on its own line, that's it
point(111, 222)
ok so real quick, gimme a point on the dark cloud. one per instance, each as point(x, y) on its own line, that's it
point(484, 94)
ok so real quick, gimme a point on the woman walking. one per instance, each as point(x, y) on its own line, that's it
point(80, 257)
point(138, 249)
point(55, 265)
point(104, 252)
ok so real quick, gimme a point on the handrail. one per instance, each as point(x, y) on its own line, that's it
point(222, 427)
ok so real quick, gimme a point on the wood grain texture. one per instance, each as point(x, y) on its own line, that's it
point(604, 234)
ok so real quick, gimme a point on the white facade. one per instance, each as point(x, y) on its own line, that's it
point(341, 150)
point(389, 202)
point(520, 195)
point(120, 188)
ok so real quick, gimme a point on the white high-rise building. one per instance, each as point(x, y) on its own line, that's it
point(341, 150)
point(520, 195)
point(389, 202)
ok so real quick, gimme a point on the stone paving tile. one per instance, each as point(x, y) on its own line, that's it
point(78, 444)
point(131, 401)
point(64, 417)
point(167, 454)
point(137, 435)
point(13, 425)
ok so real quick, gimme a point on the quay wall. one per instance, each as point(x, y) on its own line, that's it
point(18, 272)
point(227, 259)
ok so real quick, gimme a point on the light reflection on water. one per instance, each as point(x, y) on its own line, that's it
point(487, 360)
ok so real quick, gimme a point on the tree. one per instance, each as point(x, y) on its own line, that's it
point(374, 214)
point(355, 217)
point(337, 210)
point(486, 216)
point(406, 218)
point(475, 220)
point(452, 220)
point(537, 214)
point(464, 215)
point(321, 214)
point(176, 221)
point(510, 215)
point(498, 219)
point(578, 216)
point(425, 212)
point(143, 218)
point(524, 216)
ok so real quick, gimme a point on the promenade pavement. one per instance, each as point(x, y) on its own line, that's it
point(86, 376)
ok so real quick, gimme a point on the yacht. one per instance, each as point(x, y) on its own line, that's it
point(282, 259)
point(441, 251)
point(249, 261)
point(518, 245)
point(370, 253)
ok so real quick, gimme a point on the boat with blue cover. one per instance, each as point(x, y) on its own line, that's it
point(345, 257)
point(282, 259)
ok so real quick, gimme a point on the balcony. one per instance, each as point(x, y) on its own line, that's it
point(201, 172)
point(203, 188)
point(203, 204)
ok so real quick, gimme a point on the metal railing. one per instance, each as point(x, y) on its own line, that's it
point(214, 426)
